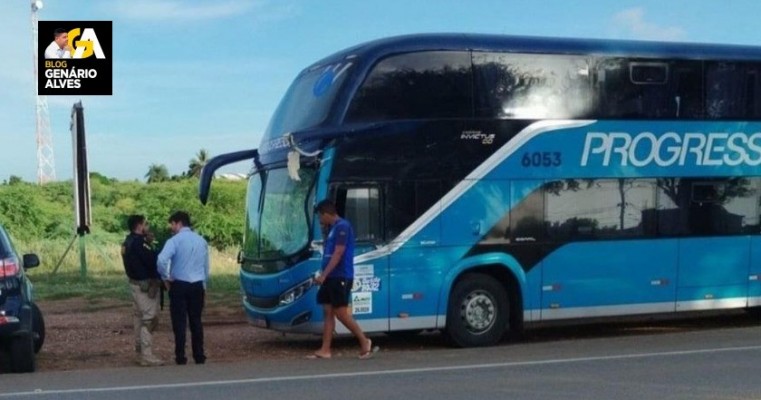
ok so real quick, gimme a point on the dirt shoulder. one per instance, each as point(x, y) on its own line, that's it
point(85, 335)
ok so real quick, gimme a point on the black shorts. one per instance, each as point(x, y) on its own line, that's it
point(335, 291)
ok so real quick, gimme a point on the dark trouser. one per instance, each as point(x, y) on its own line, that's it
point(186, 303)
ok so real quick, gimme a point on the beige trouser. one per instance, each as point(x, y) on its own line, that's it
point(145, 319)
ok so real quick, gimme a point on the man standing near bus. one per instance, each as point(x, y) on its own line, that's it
point(336, 280)
point(140, 265)
point(184, 266)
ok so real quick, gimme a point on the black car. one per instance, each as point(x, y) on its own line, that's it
point(22, 329)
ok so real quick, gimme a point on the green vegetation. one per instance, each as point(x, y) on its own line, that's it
point(40, 219)
point(105, 275)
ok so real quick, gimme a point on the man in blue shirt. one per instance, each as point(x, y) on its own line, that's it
point(336, 281)
point(184, 266)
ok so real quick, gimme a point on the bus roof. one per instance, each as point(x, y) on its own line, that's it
point(533, 44)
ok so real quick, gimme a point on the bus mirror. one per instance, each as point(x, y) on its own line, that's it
point(207, 173)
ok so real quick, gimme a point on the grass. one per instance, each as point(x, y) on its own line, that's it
point(105, 278)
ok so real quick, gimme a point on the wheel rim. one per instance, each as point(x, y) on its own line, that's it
point(478, 311)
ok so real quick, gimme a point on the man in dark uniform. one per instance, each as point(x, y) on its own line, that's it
point(140, 266)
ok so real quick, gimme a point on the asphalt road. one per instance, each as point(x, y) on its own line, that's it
point(707, 363)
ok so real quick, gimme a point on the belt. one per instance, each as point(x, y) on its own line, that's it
point(138, 281)
point(176, 281)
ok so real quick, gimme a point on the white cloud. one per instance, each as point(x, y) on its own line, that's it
point(176, 10)
point(632, 23)
point(183, 11)
point(281, 12)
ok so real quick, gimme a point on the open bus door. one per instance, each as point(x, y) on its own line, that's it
point(360, 203)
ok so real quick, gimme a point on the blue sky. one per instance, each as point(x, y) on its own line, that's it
point(192, 74)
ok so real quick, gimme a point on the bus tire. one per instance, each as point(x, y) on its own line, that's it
point(478, 311)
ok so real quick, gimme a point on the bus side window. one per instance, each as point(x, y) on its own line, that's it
point(708, 206)
point(431, 84)
point(672, 201)
point(731, 205)
point(586, 209)
point(512, 85)
point(688, 90)
point(733, 90)
point(361, 207)
point(649, 89)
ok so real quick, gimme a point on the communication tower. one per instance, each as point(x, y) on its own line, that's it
point(45, 159)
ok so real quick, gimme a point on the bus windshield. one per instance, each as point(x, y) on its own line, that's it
point(308, 100)
point(277, 223)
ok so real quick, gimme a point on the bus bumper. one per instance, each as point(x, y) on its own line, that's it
point(285, 302)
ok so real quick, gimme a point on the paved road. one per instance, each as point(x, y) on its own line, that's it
point(716, 363)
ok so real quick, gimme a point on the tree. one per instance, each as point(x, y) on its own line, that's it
point(14, 180)
point(196, 164)
point(157, 173)
point(679, 190)
point(97, 176)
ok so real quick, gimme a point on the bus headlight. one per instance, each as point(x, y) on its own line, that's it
point(296, 292)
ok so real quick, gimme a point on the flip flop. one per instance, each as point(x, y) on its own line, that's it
point(366, 355)
point(316, 356)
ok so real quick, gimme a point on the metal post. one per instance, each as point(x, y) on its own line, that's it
point(82, 257)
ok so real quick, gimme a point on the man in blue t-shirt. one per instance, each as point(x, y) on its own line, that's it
point(336, 281)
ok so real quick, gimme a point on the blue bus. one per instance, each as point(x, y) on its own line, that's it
point(496, 182)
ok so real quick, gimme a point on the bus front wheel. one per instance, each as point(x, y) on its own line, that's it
point(478, 311)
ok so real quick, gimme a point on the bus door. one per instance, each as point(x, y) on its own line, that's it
point(360, 204)
point(715, 248)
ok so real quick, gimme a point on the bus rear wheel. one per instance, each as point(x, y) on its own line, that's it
point(478, 311)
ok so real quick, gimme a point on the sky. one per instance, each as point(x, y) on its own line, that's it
point(208, 74)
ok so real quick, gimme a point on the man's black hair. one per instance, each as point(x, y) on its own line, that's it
point(58, 32)
point(134, 220)
point(326, 207)
point(180, 216)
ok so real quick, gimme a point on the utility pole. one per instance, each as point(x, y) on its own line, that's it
point(45, 159)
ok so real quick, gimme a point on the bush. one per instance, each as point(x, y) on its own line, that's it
point(31, 212)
